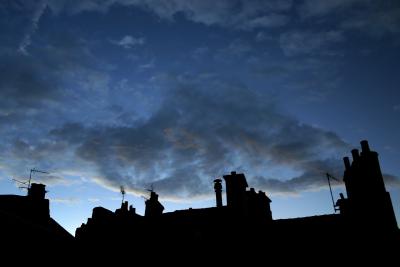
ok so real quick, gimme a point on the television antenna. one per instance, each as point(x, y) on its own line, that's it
point(328, 177)
point(27, 184)
point(30, 175)
point(151, 188)
point(123, 192)
point(23, 185)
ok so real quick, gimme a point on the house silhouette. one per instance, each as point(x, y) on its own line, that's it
point(27, 218)
point(366, 215)
point(244, 227)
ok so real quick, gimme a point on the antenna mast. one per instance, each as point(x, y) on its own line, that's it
point(28, 183)
point(328, 177)
point(30, 176)
point(123, 193)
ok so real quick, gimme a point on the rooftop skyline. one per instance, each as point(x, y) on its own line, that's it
point(174, 94)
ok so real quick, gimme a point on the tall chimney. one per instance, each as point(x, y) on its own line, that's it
point(346, 163)
point(37, 191)
point(218, 192)
point(364, 146)
point(355, 154)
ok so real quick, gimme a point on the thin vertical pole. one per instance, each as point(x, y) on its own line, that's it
point(330, 189)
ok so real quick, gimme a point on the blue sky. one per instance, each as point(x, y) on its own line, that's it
point(173, 94)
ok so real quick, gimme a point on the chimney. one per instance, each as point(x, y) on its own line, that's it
point(153, 196)
point(346, 163)
point(364, 146)
point(37, 191)
point(355, 154)
point(153, 206)
point(235, 185)
point(218, 192)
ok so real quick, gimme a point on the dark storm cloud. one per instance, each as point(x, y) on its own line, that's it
point(199, 134)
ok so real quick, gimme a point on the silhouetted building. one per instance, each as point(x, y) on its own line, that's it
point(153, 206)
point(245, 202)
point(218, 192)
point(236, 185)
point(368, 202)
point(246, 221)
point(27, 218)
point(242, 227)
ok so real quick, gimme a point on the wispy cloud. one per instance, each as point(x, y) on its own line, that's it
point(267, 21)
point(149, 65)
point(315, 8)
point(264, 36)
point(309, 42)
point(38, 12)
point(376, 18)
point(67, 201)
point(129, 41)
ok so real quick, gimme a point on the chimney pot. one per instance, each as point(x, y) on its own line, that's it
point(355, 154)
point(346, 161)
point(364, 146)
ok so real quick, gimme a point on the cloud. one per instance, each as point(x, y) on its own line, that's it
point(35, 81)
point(33, 27)
point(59, 112)
point(373, 17)
point(238, 14)
point(262, 36)
point(312, 8)
point(20, 83)
point(391, 180)
point(39, 91)
point(129, 41)
point(226, 13)
point(93, 200)
point(149, 65)
point(308, 42)
point(267, 21)
point(376, 23)
point(312, 178)
point(235, 50)
point(198, 134)
point(67, 201)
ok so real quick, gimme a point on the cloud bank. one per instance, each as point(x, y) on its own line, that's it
point(198, 134)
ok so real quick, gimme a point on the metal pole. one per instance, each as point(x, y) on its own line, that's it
point(29, 183)
point(330, 189)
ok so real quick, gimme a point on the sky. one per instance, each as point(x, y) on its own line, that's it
point(172, 94)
